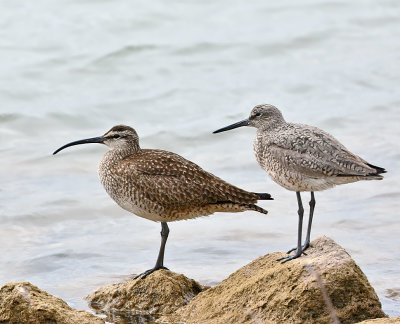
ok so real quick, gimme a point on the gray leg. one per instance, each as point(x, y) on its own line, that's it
point(312, 206)
point(299, 249)
point(160, 260)
point(306, 244)
point(164, 236)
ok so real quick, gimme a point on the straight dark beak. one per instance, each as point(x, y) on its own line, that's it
point(235, 125)
point(99, 139)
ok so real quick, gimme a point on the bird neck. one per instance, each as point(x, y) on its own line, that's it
point(127, 149)
point(272, 124)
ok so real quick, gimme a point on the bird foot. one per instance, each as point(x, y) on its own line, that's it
point(303, 248)
point(147, 272)
point(291, 257)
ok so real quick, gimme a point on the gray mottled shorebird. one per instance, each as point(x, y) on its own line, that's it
point(163, 186)
point(302, 158)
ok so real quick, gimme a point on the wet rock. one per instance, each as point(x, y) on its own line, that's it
point(22, 302)
point(312, 289)
point(162, 292)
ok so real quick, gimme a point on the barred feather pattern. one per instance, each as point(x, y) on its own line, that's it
point(305, 158)
point(163, 186)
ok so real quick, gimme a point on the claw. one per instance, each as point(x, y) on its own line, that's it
point(290, 257)
point(150, 271)
point(304, 247)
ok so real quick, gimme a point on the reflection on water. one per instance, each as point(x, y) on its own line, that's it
point(125, 317)
point(176, 72)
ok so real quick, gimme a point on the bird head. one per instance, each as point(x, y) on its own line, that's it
point(261, 116)
point(118, 137)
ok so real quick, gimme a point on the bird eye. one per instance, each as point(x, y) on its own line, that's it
point(116, 136)
point(258, 115)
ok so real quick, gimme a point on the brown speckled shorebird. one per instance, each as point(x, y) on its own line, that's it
point(302, 158)
point(163, 186)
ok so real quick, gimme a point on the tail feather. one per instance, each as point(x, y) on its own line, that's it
point(369, 175)
point(256, 208)
point(378, 169)
point(374, 175)
point(242, 206)
point(263, 196)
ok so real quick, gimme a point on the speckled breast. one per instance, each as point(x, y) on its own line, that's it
point(280, 172)
point(123, 191)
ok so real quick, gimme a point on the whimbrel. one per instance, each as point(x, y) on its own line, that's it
point(302, 158)
point(163, 186)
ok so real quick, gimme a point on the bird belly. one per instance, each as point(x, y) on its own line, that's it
point(138, 210)
point(171, 214)
point(116, 187)
point(291, 180)
point(295, 182)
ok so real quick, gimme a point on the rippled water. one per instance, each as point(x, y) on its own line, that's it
point(176, 71)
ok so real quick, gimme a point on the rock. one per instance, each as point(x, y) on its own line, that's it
point(162, 292)
point(393, 320)
point(266, 291)
point(22, 302)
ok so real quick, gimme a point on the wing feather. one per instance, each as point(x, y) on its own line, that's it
point(172, 181)
point(313, 152)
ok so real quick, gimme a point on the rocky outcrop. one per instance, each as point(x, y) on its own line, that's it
point(22, 302)
point(320, 287)
point(162, 292)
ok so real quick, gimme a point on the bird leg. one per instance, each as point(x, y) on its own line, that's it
point(307, 244)
point(160, 260)
point(312, 206)
point(299, 249)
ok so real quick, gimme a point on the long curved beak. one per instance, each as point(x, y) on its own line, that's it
point(99, 139)
point(235, 125)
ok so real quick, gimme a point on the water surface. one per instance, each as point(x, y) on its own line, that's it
point(177, 71)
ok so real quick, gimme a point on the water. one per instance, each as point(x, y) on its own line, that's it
point(176, 71)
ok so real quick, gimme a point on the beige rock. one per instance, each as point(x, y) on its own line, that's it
point(266, 291)
point(22, 302)
point(393, 320)
point(162, 292)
